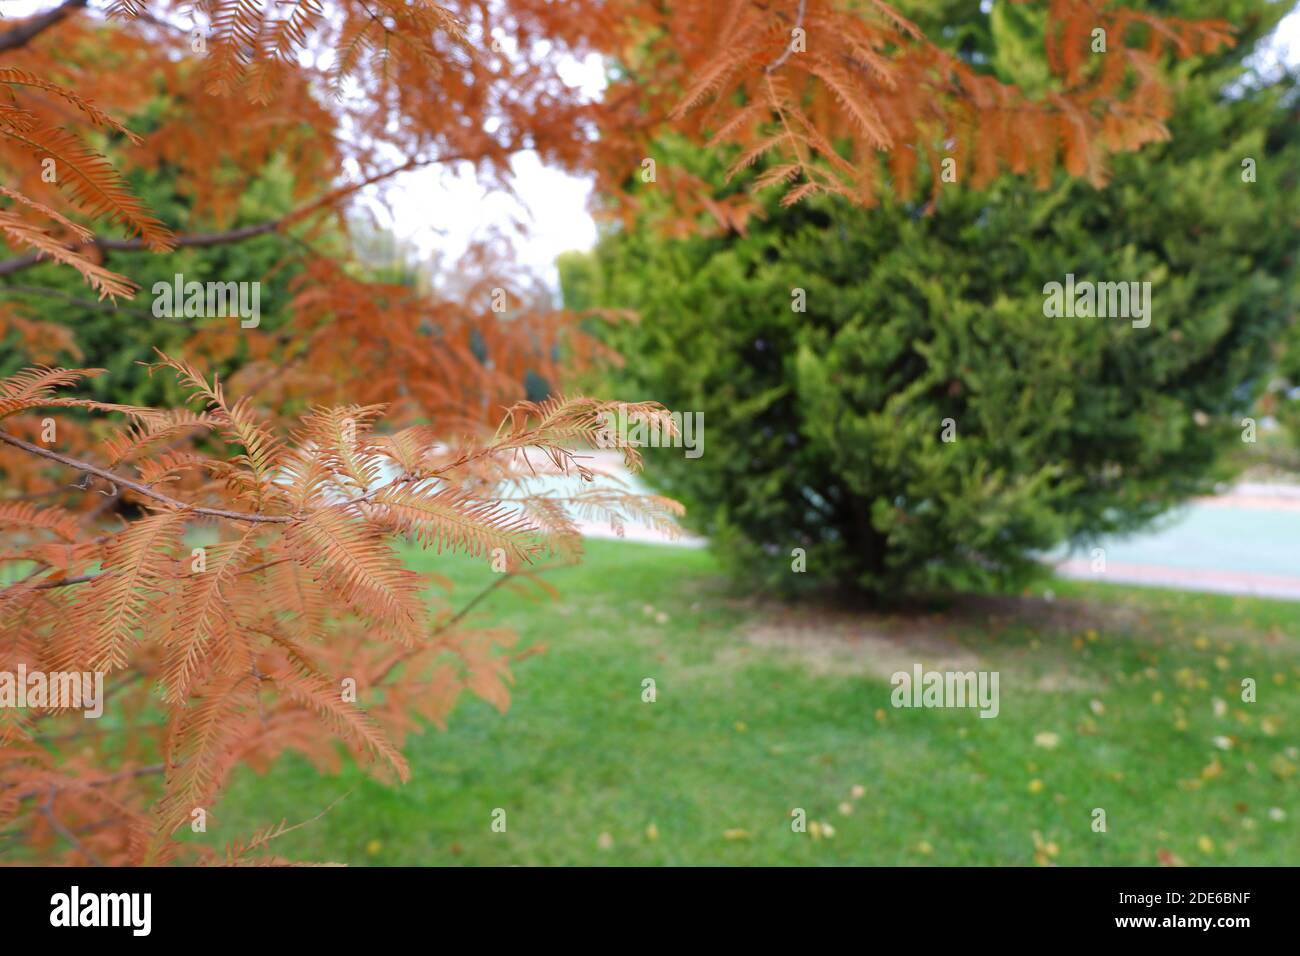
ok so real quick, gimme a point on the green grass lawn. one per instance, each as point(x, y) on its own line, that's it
point(762, 709)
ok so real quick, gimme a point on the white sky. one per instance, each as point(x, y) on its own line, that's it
point(442, 209)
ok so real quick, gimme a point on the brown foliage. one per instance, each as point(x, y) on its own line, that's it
point(248, 640)
point(230, 565)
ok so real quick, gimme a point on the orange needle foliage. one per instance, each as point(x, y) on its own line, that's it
point(368, 416)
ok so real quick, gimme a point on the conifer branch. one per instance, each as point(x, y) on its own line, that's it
point(24, 33)
point(231, 236)
point(789, 47)
point(142, 489)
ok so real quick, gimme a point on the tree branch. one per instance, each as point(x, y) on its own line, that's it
point(28, 30)
point(199, 240)
point(47, 811)
point(84, 578)
point(144, 771)
point(789, 47)
point(45, 292)
point(444, 626)
point(205, 240)
point(138, 488)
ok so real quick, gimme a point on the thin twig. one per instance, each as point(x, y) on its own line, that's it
point(445, 625)
point(47, 811)
point(789, 47)
point(144, 771)
point(206, 240)
point(139, 488)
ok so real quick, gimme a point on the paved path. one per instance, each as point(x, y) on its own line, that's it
point(1188, 579)
point(1246, 541)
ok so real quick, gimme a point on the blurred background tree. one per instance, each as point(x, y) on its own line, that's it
point(832, 349)
point(118, 335)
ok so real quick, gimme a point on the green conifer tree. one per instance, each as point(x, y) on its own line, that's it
point(885, 388)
